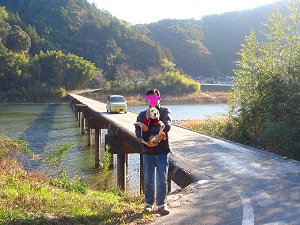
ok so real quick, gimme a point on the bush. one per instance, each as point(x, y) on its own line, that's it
point(174, 83)
point(37, 94)
point(266, 99)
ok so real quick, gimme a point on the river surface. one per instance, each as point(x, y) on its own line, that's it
point(191, 111)
point(47, 126)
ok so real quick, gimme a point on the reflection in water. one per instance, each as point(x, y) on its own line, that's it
point(48, 126)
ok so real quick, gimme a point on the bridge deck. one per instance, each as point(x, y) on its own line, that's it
point(189, 147)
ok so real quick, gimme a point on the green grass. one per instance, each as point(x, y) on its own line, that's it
point(29, 198)
point(212, 126)
point(275, 137)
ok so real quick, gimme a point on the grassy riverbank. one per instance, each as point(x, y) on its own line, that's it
point(195, 98)
point(215, 126)
point(29, 198)
point(229, 129)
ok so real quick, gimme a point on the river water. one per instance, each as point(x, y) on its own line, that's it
point(189, 111)
point(47, 126)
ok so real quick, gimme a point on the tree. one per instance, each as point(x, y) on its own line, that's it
point(122, 71)
point(3, 14)
point(4, 26)
point(55, 69)
point(36, 40)
point(267, 86)
point(168, 65)
point(174, 83)
point(12, 69)
point(127, 74)
point(17, 40)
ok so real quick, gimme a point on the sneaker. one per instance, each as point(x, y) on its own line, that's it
point(164, 209)
point(148, 208)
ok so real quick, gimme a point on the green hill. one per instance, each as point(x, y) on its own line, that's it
point(208, 47)
point(80, 28)
point(185, 39)
point(205, 47)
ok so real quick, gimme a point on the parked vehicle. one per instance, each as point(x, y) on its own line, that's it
point(116, 103)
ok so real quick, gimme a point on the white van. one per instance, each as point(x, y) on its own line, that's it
point(116, 103)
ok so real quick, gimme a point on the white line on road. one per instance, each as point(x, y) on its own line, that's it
point(248, 214)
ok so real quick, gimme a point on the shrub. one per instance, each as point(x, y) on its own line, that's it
point(174, 83)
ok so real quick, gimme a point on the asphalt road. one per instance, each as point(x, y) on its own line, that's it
point(236, 184)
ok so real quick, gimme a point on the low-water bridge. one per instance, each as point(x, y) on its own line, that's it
point(228, 183)
point(120, 138)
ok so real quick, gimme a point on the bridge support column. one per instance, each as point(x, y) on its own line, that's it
point(86, 122)
point(111, 162)
point(141, 174)
point(121, 172)
point(97, 147)
point(91, 125)
point(72, 103)
point(169, 181)
point(79, 118)
point(126, 160)
point(82, 124)
point(89, 139)
point(111, 159)
point(76, 113)
point(81, 110)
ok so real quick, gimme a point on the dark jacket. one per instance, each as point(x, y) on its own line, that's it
point(166, 118)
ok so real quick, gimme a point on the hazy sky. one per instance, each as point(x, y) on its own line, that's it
point(148, 11)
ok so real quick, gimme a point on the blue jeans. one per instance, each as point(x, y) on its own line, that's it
point(161, 163)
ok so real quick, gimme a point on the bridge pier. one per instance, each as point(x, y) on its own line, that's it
point(82, 125)
point(80, 113)
point(98, 135)
point(111, 162)
point(94, 124)
point(169, 181)
point(141, 174)
point(89, 133)
point(121, 171)
point(84, 113)
point(89, 139)
point(72, 103)
point(76, 113)
point(117, 146)
point(79, 117)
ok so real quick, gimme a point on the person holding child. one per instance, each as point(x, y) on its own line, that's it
point(155, 157)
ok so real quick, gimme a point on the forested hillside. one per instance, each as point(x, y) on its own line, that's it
point(208, 47)
point(78, 27)
point(225, 33)
point(71, 44)
point(185, 39)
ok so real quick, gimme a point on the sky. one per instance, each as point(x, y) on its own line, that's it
point(149, 11)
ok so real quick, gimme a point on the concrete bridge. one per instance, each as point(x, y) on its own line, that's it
point(120, 138)
point(225, 182)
